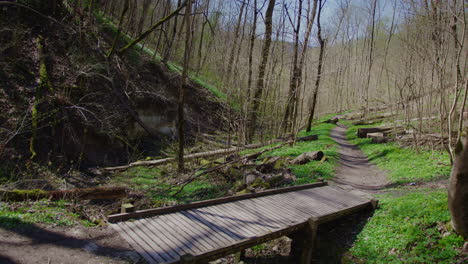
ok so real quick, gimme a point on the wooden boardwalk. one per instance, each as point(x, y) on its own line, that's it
point(211, 229)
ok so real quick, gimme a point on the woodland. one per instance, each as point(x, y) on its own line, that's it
point(109, 106)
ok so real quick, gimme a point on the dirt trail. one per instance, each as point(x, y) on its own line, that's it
point(355, 169)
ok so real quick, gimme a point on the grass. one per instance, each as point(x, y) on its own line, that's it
point(23, 214)
point(408, 229)
point(309, 172)
point(155, 181)
point(403, 165)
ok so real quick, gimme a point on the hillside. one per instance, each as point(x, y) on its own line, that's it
point(65, 105)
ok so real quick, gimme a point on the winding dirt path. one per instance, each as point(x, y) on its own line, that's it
point(355, 169)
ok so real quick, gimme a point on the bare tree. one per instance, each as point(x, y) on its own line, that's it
point(255, 102)
point(319, 67)
point(185, 82)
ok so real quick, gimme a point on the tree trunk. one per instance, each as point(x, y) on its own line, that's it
point(458, 187)
point(185, 81)
point(252, 120)
point(319, 69)
point(234, 45)
point(294, 72)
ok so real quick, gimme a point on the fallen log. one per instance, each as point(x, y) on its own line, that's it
point(331, 121)
point(377, 137)
point(191, 156)
point(306, 157)
point(362, 132)
point(95, 193)
point(307, 138)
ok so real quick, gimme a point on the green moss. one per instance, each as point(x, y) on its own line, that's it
point(21, 195)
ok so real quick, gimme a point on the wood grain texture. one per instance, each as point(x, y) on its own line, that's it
point(220, 228)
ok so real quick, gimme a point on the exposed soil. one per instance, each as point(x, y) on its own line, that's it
point(355, 169)
point(36, 244)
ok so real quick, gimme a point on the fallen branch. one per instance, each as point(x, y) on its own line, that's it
point(246, 157)
point(190, 156)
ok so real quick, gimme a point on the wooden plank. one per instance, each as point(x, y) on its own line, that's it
point(231, 220)
point(288, 215)
point(135, 244)
point(156, 232)
point(242, 218)
point(165, 210)
point(155, 239)
point(175, 234)
point(308, 206)
point(245, 211)
point(247, 243)
point(217, 238)
point(219, 229)
point(350, 210)
point(261, 214)
point(199, 235)
point(144, 243)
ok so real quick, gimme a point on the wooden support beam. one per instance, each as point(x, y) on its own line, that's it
point(304, 242)
point(239, 256)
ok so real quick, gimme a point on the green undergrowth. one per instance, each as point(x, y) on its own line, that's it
point(310, 172)
point(158, 185)
point(24, 214)
point(313, 170)
point(409, 228)
point(403, 165)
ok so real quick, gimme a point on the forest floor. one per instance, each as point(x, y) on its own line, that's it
point(411, 224)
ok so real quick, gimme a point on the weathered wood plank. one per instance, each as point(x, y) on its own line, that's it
point(163, 244)
point(222, 230)
point(272, 220)
point(278, 207)
point(165, 210)
point(135, 244)
point(245, 211)
point(145, 244)
point(211, 235)
point(174, 233)
point(231, 218)
point(216, 230)
point(198, 235)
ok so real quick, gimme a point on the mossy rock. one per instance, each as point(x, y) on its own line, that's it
point(220, 160)
point(259, 183)
point(204, 162)
point(279, 164)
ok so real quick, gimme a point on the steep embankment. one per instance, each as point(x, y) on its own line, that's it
point(64, 103)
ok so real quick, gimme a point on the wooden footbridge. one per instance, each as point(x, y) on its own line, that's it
point(207, 230)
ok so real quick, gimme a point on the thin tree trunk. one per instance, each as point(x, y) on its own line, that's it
point(185, 82)
point(252, 120)
point(319, 69)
